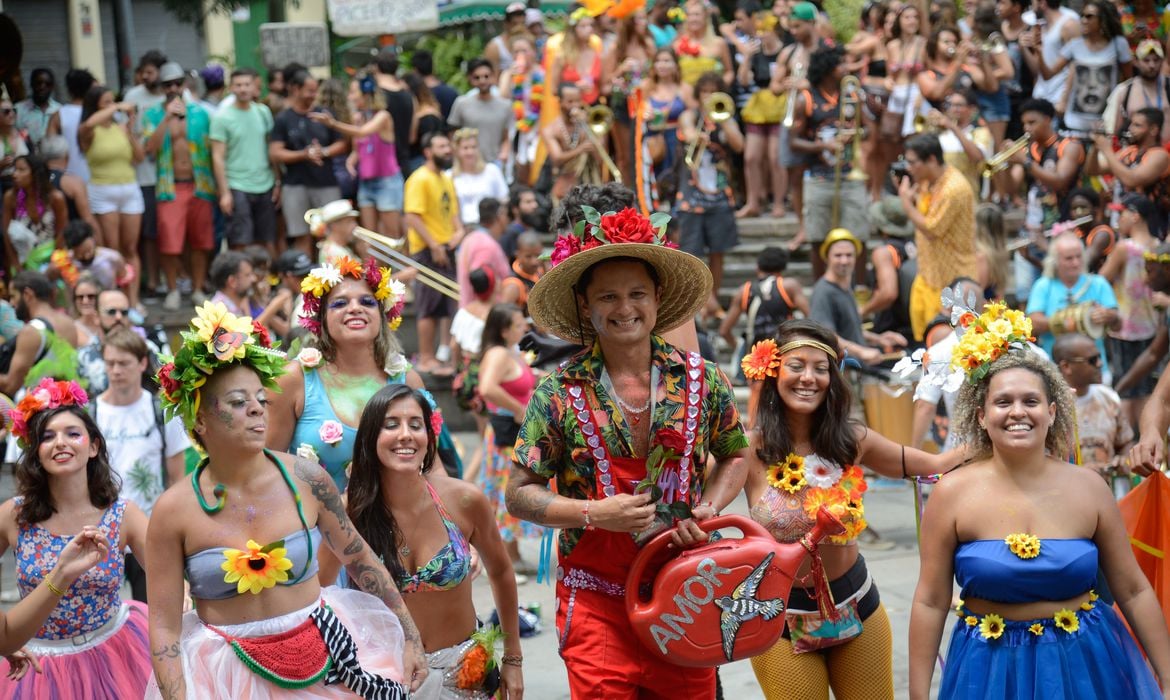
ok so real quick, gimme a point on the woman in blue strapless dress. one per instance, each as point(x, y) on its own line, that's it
point(1024, 534)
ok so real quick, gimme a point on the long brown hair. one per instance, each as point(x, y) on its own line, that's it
point(367, 509)
point(32, 481)
point(834, 437)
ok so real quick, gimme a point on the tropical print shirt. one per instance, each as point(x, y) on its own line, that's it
point(551, 444)
point(198, 133)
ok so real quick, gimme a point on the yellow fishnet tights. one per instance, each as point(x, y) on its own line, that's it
point(861, 669)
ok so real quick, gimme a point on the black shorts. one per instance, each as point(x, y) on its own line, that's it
point(149, 214)
point(1122, 355)
point(253, 219)
point(707, 228)
point(427, 302)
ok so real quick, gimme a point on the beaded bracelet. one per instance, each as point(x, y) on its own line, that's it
point(588, 523)
point(53, 589)
point(512, 659)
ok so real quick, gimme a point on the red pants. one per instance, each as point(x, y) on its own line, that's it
point(606, 661)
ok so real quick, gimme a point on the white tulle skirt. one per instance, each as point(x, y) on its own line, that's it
point(212, 669)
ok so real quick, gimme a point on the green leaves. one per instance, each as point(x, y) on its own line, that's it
point(660, 220)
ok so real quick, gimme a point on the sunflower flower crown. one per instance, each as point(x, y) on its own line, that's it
point(597, 229)
point(320, 280)
point(47, 395)
point(983, 339)
point(217, 338)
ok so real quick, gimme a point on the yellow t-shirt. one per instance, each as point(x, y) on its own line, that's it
point(110, 157)
point(431, 195)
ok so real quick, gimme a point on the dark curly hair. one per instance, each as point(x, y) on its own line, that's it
point(32, 481)
point(367, 509)
point(823, 62)
point(834, 437)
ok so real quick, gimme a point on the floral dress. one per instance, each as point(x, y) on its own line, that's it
point(94, 644)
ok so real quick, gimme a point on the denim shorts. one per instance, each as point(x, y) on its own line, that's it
point(994, 106)
point(383, 193)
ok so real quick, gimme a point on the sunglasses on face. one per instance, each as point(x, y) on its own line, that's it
point(84, 297)
point(7, 111)
point(1094, 360)
point(172, 83)
point(115, 312)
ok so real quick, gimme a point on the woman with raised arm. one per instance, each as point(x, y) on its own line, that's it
point(423, 523)
point(69, 529)
point(1025, 533)
point(806, 452)
point(244, 532)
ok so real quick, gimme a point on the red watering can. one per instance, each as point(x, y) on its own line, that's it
point(721, 601)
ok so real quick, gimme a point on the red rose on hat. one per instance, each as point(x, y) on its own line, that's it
point(168, 384)
point(628, 226)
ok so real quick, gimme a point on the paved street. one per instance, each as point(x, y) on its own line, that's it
point(889, 510)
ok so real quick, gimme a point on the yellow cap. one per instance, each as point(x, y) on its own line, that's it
point(839, 234)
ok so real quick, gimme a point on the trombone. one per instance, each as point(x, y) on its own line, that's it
point(386, 250)
point(597, 123)
point(848, 122)
point(1001, 161)
point(717, 108)
point(798, 72)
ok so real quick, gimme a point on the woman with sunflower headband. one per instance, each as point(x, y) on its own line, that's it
point(1024, 532)
point(91, 642)
point(262, 625)
point(805, 452)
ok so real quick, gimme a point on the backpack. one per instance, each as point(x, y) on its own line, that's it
point(160, 423)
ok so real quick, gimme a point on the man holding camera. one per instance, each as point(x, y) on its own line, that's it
point(176, 134)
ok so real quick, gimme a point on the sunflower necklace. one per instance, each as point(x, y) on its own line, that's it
point(268, 558)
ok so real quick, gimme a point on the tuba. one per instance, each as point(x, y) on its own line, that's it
point(717, 108)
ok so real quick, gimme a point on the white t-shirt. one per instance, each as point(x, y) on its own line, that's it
point(471, 189)
point(1094, 75)
point(135, 447)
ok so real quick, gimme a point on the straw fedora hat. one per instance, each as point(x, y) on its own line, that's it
point(888, 216)
point(684, 281)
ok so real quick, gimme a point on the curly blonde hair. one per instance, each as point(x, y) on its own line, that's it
point(972, 397)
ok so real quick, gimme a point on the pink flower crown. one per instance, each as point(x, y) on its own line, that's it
point(596, 229)
point(47, 395)
point(320, 280)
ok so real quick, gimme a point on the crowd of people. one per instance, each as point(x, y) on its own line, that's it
point(980, 191)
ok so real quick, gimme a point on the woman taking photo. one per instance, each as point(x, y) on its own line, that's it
point(69, 529)
point(805, 451)
point(506, 383)
point(111, 151)
point(373, 158)
point(261, 622)
point(1025, 533)
point(34, 214)
point(428, 555)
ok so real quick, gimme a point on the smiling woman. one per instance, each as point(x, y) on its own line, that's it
point(1026, 535)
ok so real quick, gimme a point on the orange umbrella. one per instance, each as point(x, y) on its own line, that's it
point(1143, 511)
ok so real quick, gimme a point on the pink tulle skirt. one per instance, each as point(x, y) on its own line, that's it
point(212, 669)
point(114, 665)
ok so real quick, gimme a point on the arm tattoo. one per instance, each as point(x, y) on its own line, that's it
point(529, 501)
point(170, 651)
point(322, 488)
point(371, 577)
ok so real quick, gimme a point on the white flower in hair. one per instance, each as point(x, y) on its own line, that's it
point(328, 274)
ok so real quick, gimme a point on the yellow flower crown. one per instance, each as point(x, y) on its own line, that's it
point(1163, 258)
point(985, 338)
point(320, 280)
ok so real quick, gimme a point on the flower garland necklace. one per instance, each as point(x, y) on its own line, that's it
point(527, 111)
point(824, 483)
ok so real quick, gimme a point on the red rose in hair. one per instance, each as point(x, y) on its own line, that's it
point(168, 384)
point(672, 440)
point(261, 333)
point(628, 226)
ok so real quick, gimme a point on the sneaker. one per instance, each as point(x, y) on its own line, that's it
point(185, 285)
point(173, 300)
point(443, 354)
point(521, 579)
point(198, 297)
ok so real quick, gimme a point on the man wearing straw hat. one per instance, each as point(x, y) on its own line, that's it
point(614, 286)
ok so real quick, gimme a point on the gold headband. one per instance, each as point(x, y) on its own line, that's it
point(806, 343)
point(1163, 258)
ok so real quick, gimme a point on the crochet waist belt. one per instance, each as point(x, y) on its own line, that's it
point(318, 649)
